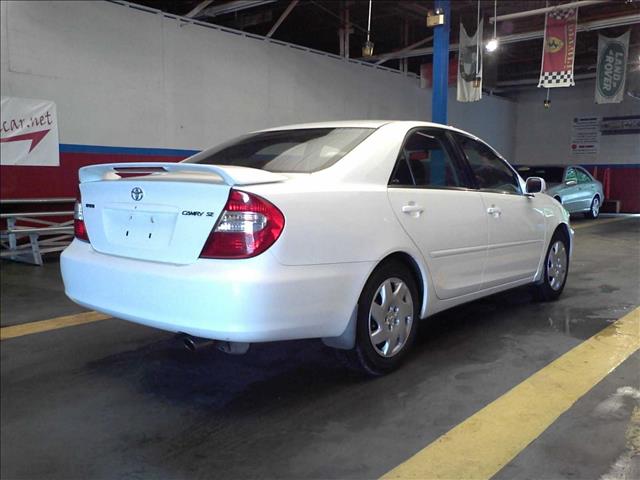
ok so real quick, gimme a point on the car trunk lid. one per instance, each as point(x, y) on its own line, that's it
point(160, 212)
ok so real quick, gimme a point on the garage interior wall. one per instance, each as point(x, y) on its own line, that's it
point(543, 136)
point(133, 85)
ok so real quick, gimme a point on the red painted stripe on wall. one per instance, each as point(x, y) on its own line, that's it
point(623, 183)
point(61, 181)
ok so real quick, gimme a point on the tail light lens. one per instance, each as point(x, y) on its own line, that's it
point(248, 226)
point(79, 228)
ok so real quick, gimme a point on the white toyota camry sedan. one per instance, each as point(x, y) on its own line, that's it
point(349, 232)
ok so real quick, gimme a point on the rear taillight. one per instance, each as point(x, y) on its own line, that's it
point(247, 227)
point(79, 228)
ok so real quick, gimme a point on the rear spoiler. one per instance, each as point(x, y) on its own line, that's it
point(229, 175)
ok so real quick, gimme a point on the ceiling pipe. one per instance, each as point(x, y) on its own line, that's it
point(198, 8)
point(523, 37)
point(232, 7)
point(408, 48)
point(282, 18)
point(540, 11)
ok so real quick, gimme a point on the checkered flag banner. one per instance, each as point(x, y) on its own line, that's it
point(559, 49)
point(556, 79)
point(563, 14)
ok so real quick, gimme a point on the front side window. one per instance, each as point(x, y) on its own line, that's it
point(571, 175)
point(425, 161)
point(286, 151)
point(583, 177)
point(490, 171)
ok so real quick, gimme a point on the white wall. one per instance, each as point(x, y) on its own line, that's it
point(124, 77)
point(544, 136)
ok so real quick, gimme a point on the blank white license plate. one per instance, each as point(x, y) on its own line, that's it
point(139, 229)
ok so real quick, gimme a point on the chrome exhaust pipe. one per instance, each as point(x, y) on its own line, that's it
point(194, 344)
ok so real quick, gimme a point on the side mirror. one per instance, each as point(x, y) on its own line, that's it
point(570, 183)
point(535, 185)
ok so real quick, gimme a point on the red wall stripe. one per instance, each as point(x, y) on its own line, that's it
point(62, 181)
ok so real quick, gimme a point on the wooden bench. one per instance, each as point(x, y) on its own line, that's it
point(30, 234)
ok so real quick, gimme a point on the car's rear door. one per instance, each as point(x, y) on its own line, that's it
point(516, 226)
point(586, 187)
point(430, 195)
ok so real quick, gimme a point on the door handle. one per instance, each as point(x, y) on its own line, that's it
point(412, 208)
point(495, 211)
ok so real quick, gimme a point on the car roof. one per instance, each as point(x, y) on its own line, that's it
point(364, 124)
point(545, 166)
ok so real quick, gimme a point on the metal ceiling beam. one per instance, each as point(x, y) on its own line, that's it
point(198, 8)
point(232, 7)
point(408, 48)
point(540, 11)
point(523, 37)
point(284, 15)
point(322, 7)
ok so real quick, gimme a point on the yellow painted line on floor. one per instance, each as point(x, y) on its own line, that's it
point(593, 223)
point(485, 442)
point(51, 324)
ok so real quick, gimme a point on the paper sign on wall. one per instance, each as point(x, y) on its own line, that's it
point(28, 132)
point(585, 136)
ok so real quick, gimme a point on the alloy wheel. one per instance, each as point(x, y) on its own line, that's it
point(390, 317)
point(557, 265)
point(595, 207)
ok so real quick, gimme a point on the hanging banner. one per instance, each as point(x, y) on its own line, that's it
point(612, 68)
point(28, 132)
point(470, 65)
point(559, 49)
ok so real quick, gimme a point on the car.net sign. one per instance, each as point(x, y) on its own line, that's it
point(28, 132)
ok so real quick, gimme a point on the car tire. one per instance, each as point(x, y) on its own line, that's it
point(594, 210)
point(556, 269)
point(388, 310)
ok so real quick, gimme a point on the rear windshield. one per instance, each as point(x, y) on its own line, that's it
point(286, 151)
point(550, 174)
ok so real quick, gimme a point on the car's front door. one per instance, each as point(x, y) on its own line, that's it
point(516, 226)
point(570, 193)
point(429, 193)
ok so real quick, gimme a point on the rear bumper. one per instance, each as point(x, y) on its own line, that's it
point(252, 300)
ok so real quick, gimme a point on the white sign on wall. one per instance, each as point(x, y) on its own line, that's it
point(28, 132)
point(585, 136)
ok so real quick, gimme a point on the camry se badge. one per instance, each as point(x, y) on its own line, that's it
point(137, 194)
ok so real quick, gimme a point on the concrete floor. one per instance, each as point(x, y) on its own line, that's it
point(112, 399)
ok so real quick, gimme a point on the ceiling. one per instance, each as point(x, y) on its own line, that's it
point(316, 23)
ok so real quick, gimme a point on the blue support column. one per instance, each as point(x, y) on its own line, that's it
point(441, 64)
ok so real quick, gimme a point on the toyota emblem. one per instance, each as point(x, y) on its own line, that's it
point(137, 194)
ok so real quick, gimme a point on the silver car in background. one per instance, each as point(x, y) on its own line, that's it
point(572, 186)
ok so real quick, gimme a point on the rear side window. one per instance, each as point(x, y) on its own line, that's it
point(490, 171)
point(286, 151)
point(583, 177)
point(425, 161)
